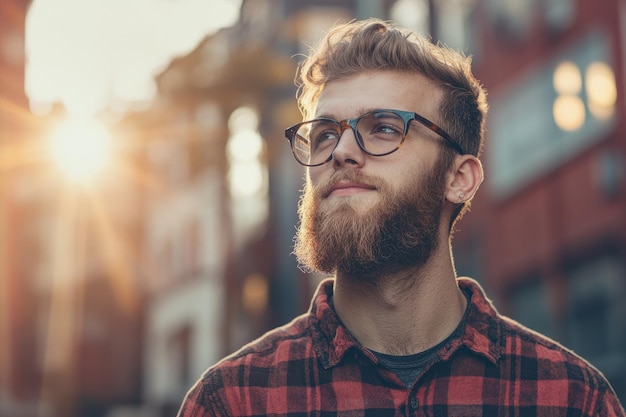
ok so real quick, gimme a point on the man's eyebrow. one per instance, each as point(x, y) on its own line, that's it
point(360, 112)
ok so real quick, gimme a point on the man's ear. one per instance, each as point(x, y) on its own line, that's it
point(464, 179)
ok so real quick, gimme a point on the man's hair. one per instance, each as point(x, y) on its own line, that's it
point(373, 44)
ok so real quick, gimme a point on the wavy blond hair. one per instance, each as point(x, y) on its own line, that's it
point(373, 44)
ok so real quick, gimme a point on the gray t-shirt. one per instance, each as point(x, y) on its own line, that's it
point(409, 367)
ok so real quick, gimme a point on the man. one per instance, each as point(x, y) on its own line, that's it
point(392, 133)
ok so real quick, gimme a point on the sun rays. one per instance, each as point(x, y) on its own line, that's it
point(87, 182)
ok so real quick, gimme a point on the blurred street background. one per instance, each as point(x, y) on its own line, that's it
point(148, 196)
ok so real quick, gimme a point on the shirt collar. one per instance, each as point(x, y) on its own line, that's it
point(481, 333)
point(331, 339)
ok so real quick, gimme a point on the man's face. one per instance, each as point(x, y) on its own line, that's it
point(362, 214)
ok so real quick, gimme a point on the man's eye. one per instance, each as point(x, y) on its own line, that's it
point(387, 129)
point(324, 136)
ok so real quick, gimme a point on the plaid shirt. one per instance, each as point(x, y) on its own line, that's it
point(313, 366)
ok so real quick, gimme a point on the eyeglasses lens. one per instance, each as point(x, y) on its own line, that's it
point(379, 133)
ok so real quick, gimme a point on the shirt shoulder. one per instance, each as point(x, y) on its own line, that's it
point(538, 369)
point(527, 344)
point(227, 383)
point(509, 338)
point(559, 374)
point(285, 343)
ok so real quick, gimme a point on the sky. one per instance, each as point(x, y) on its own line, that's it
point(92, 54)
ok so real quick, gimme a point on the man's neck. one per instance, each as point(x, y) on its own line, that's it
point(401, 313)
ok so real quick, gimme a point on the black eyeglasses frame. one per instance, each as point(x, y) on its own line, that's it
point(406, 116)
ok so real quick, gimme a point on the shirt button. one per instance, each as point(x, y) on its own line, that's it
point(414, 403)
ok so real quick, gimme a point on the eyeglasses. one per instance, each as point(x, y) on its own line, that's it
point(378, 133)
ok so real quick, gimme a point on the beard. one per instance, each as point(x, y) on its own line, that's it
point(400, 231)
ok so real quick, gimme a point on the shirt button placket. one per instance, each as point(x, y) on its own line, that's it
point(414, 404)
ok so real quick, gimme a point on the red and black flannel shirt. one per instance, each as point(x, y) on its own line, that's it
point(313, 366)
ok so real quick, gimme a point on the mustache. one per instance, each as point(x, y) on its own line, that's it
point(355, 176)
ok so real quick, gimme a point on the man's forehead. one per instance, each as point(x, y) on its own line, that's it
point(357, 94)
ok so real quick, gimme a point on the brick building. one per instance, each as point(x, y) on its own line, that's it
point(547, 235)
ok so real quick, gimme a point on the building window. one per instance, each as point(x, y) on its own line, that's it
point(530, 305)
point(512, 18)
point(165, 262)
point(179, 348)
point(191, 253)
point(559, 14)
point(456, 25)
point(596, 315)
point(248, 173)
point(412, 14)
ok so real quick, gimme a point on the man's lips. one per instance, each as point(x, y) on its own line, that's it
point(343, 188)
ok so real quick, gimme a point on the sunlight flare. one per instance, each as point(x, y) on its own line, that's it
point(80, 148)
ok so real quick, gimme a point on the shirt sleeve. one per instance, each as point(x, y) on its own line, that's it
point(610, 405)
point(200, 402)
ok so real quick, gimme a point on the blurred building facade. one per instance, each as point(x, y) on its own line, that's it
point(17, 308)
point(70, 336)
point(547, 235)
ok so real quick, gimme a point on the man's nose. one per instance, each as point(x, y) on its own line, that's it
point(348, 150)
